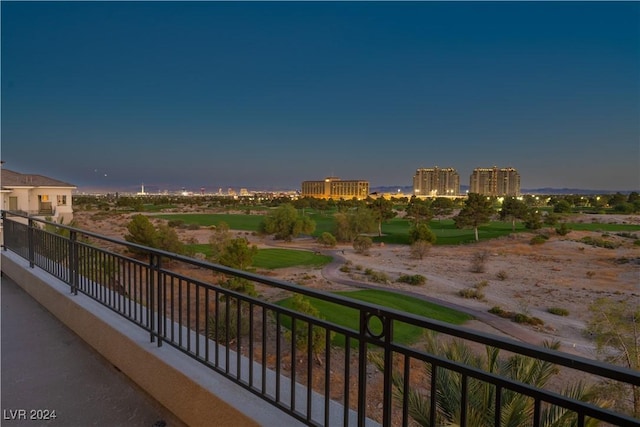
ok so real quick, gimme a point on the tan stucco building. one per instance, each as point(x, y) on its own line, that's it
point(36, 195)
point(495, 181)
point(334, 188)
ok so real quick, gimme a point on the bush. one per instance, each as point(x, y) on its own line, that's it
point(471, 293)
point(327, 239)
point(502, 275)
point(420, 248)
point(175, 223)
point(600, 243)
point(498, 311)
point(479, 261)
point(558, 311)
point(228, 332)
point(376, 276)
point(538, 239)
point(563, 230)
point(415, 280)
point(523, 318)
point(362, 244)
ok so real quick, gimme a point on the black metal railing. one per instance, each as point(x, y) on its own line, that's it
point(315, 370)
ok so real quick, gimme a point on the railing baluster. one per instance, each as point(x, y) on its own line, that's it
point(463, 401)
point(347, 380)
point(294, 338)
point(405, 391)
point(138, 290)
point(433, 409)
point(498, 407)
point(309, 367)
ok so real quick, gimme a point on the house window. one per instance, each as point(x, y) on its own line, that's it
point(62, 200)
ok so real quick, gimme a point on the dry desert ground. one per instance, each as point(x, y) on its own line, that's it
point(518, 277)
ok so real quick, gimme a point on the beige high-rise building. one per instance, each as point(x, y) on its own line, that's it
point(436, 182)
point(334, 188)
point(495, 181)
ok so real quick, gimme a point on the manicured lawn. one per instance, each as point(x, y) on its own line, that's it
point(395, 231)
point(275, 258)
point(403, 333)
point(602, 227)
point(235, 221)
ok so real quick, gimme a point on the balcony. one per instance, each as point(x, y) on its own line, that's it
point(302, 369)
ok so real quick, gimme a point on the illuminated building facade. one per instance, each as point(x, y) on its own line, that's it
point(495, 181)
point(334, 188)
point(436, 182)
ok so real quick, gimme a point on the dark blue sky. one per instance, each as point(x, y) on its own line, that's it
point(266, 95)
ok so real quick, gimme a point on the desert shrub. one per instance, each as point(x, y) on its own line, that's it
point(193, 227)
point(523, 318)
point(499, 311)
point(479, 261)
point(600, 243)
point(345, 268)
point(563, 230)
point(558, 311)
point(481, 285)
point(627, 235)
point(636, 242)
point(415, 279)
point(420, 248)
point(362, 244)
point(591, 274)
point(538, 239)
point(471, 293)
point(376, 276)
point(227, 329)
point(502, 275)
point(175, 223)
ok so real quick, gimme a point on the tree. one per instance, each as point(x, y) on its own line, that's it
point(419, 210)
point(326, 239)
point(562, 206)
point(382, 211)
point(615, 328)
point(477, 210)
point(362, 244)
point(533, 221)
point(238, 254)
point(420, 248)
point(219, 239)
point(516, 409)
point(285, 223)
point(353, 222)
point(422, 232)
point(617, 199)
point(167, 239)
point(513, 209)
point(141, 231)
point(442, 207)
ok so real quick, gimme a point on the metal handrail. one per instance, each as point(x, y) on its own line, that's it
point(149, 299)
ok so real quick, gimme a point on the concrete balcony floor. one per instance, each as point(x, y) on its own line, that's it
point(46, 366)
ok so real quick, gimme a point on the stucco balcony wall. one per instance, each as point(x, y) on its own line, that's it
point(195, 394)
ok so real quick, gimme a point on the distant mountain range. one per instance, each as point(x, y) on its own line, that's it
point(408, 189)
